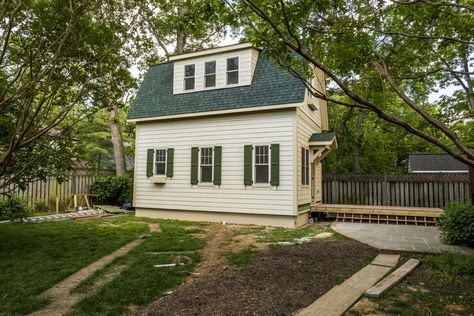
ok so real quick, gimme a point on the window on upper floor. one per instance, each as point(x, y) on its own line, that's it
point(233, 70)
point(189, 77)
point(160, 162)
point(210, 74)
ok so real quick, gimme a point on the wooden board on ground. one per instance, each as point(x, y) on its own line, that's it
point(338, 299)
point(110, 209)
point(386, 260)
point(395, 277)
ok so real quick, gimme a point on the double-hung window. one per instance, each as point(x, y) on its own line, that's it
point(262, 163)
point(206, 164)
point(210, 74)
point(304, 166)
point(189, 77)
point(160, 162)
point(233, 70)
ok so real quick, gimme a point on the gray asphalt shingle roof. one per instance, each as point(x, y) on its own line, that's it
point(270, 86)
point(424, 162)
point(322, 137)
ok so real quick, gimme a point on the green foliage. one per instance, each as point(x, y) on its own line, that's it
point(95, 144)
point(14, 208)
point(114, 190)
point(457, 222)
point(453, 263)
point(57, 65)
point(424, 48)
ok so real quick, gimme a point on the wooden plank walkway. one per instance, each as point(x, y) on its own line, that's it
point(380, 214)
point(338, 299)
point(391, 280)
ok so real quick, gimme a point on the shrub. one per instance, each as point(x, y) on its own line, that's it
point(457, 223)
point(14, 208)
point(114, 190)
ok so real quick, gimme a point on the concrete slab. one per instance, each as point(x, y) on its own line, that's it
point(398, 237)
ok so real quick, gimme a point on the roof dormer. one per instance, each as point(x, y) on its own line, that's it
point(215, 68)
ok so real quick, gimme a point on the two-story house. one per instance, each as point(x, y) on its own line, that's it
point(225, 134)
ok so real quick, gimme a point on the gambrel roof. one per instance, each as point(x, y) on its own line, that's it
point(271, 85)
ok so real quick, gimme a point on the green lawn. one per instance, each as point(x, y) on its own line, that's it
point(34, 257)
point(140, 283)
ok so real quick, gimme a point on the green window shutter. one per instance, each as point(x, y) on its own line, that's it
point(169, 162)
point(149, 162)
point(275, 168)
point(217, 164)
point(248, 165)
point(194, 165)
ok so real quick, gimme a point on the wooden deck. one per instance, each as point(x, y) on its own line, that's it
point(380, 214)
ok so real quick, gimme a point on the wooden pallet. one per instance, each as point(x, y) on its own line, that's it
point(380, 214)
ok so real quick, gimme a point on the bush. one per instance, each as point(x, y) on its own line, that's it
point(457, 223)
point(14, 208)
point(114, 190)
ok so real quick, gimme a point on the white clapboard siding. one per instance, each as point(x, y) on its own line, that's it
point(247, 62)
point(308, 123)
point(232, 133)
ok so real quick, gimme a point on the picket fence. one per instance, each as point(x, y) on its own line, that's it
point(42, 195)
point(416, 190)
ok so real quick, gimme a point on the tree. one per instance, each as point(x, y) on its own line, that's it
point(373, 50)
point(53, 56)
point(180, 26)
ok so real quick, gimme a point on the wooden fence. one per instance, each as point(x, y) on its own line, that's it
point(41, 195)
point(420, 190)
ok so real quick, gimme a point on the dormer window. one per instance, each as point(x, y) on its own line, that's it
point(189, 71)
point(233, 70)
point(210, 74)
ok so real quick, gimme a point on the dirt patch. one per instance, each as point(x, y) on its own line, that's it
point(213, 254)
point(154, 228)
point(307, 271)
point(365, 307)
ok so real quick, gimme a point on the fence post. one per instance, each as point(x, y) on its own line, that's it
point(385, 197)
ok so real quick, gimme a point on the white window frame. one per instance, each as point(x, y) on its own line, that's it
point(305, 167)
point(254, 164)
point(200, 164)
point(235, 70)
point(155, 162)
point(185, 77)
point(211, 74)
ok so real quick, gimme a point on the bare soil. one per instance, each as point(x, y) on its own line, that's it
point(213, 254)
point(279, 282)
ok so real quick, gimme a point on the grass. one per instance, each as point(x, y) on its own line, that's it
point(243, 257)
point(441, 285)
point(140, 283)
point(34, 257)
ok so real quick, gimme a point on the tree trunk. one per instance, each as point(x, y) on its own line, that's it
point(180, 34)
point(358, 142)
point(117, 141)
point(471, 183)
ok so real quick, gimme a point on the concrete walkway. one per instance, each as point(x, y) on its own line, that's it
point(397, 237)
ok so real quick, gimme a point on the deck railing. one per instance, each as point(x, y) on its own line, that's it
point(420, 190)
